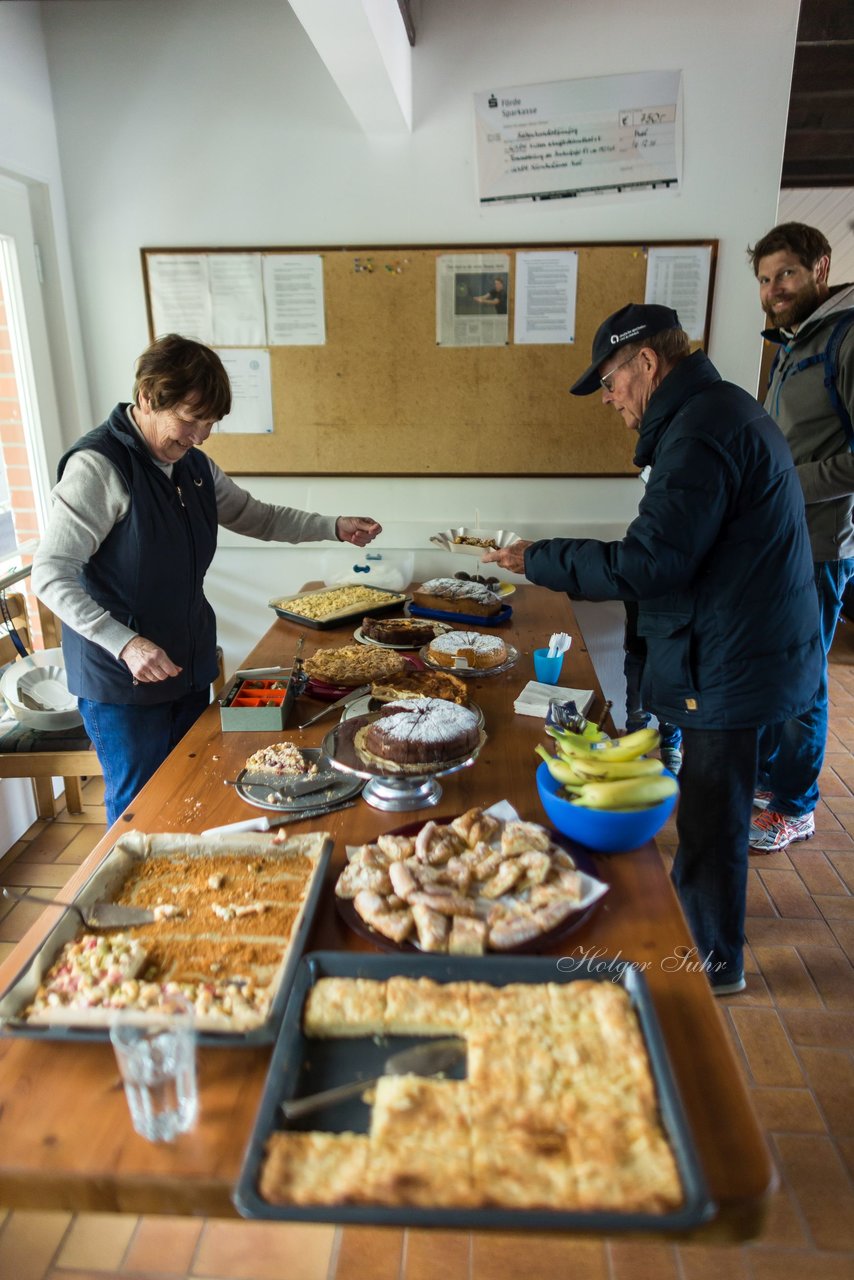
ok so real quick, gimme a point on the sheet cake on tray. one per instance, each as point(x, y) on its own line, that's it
point(233, 912)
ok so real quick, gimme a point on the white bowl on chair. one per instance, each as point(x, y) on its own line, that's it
point(36, 692)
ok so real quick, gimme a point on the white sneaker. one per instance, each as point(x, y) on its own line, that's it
point(729, 988)
point(771, 831)
point(762, 799)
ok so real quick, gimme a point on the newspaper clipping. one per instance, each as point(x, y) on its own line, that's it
point(472, 297)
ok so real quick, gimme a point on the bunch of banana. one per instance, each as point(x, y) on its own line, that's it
point(609, 773)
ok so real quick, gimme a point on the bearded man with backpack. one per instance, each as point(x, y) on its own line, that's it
point(811, 398)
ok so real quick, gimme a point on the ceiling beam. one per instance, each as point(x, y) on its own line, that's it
point(364, 45)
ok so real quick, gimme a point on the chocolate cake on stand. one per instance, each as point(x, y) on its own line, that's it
point(404, 748)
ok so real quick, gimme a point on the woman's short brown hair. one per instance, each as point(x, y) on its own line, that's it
point(176, 370)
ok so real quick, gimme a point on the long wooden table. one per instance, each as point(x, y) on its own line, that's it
point(66, 1139)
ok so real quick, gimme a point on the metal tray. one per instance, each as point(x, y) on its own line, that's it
point(105, 882)
point(301, 1066)
point(392, 600)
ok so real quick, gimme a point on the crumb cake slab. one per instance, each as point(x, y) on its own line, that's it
point(446, 1151)
point(331, 606)
point(234, 916)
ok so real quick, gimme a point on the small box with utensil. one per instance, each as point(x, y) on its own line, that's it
point(258, 703)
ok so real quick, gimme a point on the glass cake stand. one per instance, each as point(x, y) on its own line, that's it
point(385, 788)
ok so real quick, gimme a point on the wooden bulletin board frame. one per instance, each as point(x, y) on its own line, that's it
point(381, 398)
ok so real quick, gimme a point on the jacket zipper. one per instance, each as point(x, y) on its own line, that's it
point(192, 545)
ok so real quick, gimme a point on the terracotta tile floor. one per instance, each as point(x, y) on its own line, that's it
point(793, 1030)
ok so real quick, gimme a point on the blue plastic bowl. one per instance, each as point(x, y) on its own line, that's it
point(605, 830)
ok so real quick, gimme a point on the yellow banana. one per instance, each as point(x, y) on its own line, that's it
point(630, 747)
point(561, 770)
point(630, 793)
point(592, 768)
point(576, 743)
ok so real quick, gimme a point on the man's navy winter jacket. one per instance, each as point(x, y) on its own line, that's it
point(718, 559)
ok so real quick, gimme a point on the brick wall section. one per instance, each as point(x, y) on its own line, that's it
point(13, 450)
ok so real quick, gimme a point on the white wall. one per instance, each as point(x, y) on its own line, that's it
point(29, 152)
point(214, 122)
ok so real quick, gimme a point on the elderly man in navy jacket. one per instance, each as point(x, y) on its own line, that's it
point(718, 559)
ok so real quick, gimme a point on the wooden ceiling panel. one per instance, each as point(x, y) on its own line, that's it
point(820, 131)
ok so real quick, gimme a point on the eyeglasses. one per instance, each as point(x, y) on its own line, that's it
point(606, 380)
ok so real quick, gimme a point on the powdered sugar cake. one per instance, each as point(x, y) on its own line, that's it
point(455, 596)
point(421, 731)
point(467, 649)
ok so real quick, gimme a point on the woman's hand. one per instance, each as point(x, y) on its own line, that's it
point(147, 662)
point(360, 530)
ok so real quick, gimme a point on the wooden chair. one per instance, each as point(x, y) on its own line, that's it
point(44, 765)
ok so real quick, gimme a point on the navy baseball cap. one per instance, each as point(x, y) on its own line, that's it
point(632, 323)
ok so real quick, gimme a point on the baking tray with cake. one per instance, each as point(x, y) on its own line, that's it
point(459, 600)
point(504, 614)
point(328, 607)
point(443, 1151)
point(451, 892)
point(234, 956)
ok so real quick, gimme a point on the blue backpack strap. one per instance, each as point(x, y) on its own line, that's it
point(834, 342)
point(829, 357)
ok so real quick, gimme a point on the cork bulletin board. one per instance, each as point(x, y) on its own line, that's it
point(381, 397)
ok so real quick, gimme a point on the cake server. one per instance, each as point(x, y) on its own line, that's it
point(424, 1060)
point(284, 786)
point(95, 915)
point(333, 706)
point(266, 822)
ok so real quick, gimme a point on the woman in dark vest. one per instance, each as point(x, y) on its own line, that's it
point(133, 529)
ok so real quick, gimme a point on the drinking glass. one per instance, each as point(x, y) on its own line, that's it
point(157, 1060)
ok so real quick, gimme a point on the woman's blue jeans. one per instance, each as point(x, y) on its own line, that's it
point(713, 823)
point(132, 742)
point(791, 754)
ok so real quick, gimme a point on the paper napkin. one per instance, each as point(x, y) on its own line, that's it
point(535, 698)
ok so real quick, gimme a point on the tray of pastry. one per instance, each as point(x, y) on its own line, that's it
point(233, 915)
point(562, 1115)
point(475, 884)
point(330, 606)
